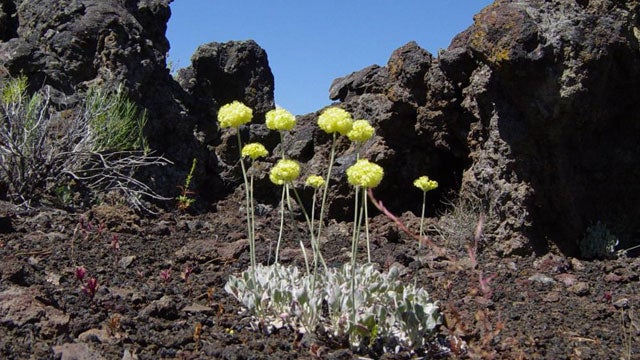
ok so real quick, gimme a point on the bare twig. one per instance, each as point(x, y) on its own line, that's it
point(425, 239)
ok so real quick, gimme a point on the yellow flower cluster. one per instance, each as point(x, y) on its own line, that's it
point(425, 184)
point(334, 120)
point(315, 181)
point(361, 131)
point(284, 171)
point(280, 119)
point(254, 151)
point(234, 114)
point(365, 174)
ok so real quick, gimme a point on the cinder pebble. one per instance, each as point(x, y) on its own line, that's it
point(621, 303)
point(541, 278)
point(580, 288)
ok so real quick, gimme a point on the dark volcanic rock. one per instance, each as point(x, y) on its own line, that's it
point(66, 43)
point(219, 74)
point(223, 72)
point(556, 95)
point(8, 21)
point(533, 109)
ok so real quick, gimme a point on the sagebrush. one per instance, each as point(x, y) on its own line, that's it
point(98, 146)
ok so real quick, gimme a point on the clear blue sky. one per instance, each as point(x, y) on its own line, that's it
point(310, 43)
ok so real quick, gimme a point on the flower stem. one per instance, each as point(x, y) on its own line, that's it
point(314, 242)
point(326, 185)
point(281, 224)
point(249, 205)
point(424, 200)
point(290, 207)
point(354, 253)
point(253, 219)
point(366, 223)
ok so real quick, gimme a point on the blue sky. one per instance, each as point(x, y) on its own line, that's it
point(310, 43)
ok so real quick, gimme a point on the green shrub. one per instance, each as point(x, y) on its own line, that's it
point(115, 122)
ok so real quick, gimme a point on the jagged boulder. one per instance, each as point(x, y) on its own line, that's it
point(559, 117)
point(533, 109)
point(223, 72)
point(67, 43)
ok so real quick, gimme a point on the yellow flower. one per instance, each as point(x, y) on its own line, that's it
point(315, 181)
point(365, 174)
point(361, 131)
point(425, 184)
point(234, 114)
point(334, 120)
point(280, 119)
point(284, 171)
point(254, 151)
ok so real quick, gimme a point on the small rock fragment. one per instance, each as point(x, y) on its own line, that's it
point(553, 296)
point(95, 335)
point(614, 278)
point(567, 279)
point(541, 278)
point(197, 308)
point(621, 303)
point(580, 288)
point(126, 261)
point(75, 351)
point(576, 264)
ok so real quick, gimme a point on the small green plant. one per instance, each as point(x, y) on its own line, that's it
point(115, 122)
point(184, 201)
point(364, 306)
point(389, 312)
point(598, 242)
point(425, 184)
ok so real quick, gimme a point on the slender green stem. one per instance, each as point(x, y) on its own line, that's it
point(314, 242)
point(354, 254)
point(313, 211)
point(317, 241)
point(290, 207)
point(326, 185)
point(281, 224)
point(424, 201)
point(252, 217)
point(252, 253)
point(366, 223)
point(316, 251)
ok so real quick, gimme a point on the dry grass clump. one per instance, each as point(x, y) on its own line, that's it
point(457, 225)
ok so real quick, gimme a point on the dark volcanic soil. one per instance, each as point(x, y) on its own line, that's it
point(160, 291)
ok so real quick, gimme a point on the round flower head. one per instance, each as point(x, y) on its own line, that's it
point(280, 119)
point(361, 131)
point(315, 181)
point(334, 120)
point(425, 184)
point(365, 174)
point(234, 114)
point(254, 151)
point(284, 171)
